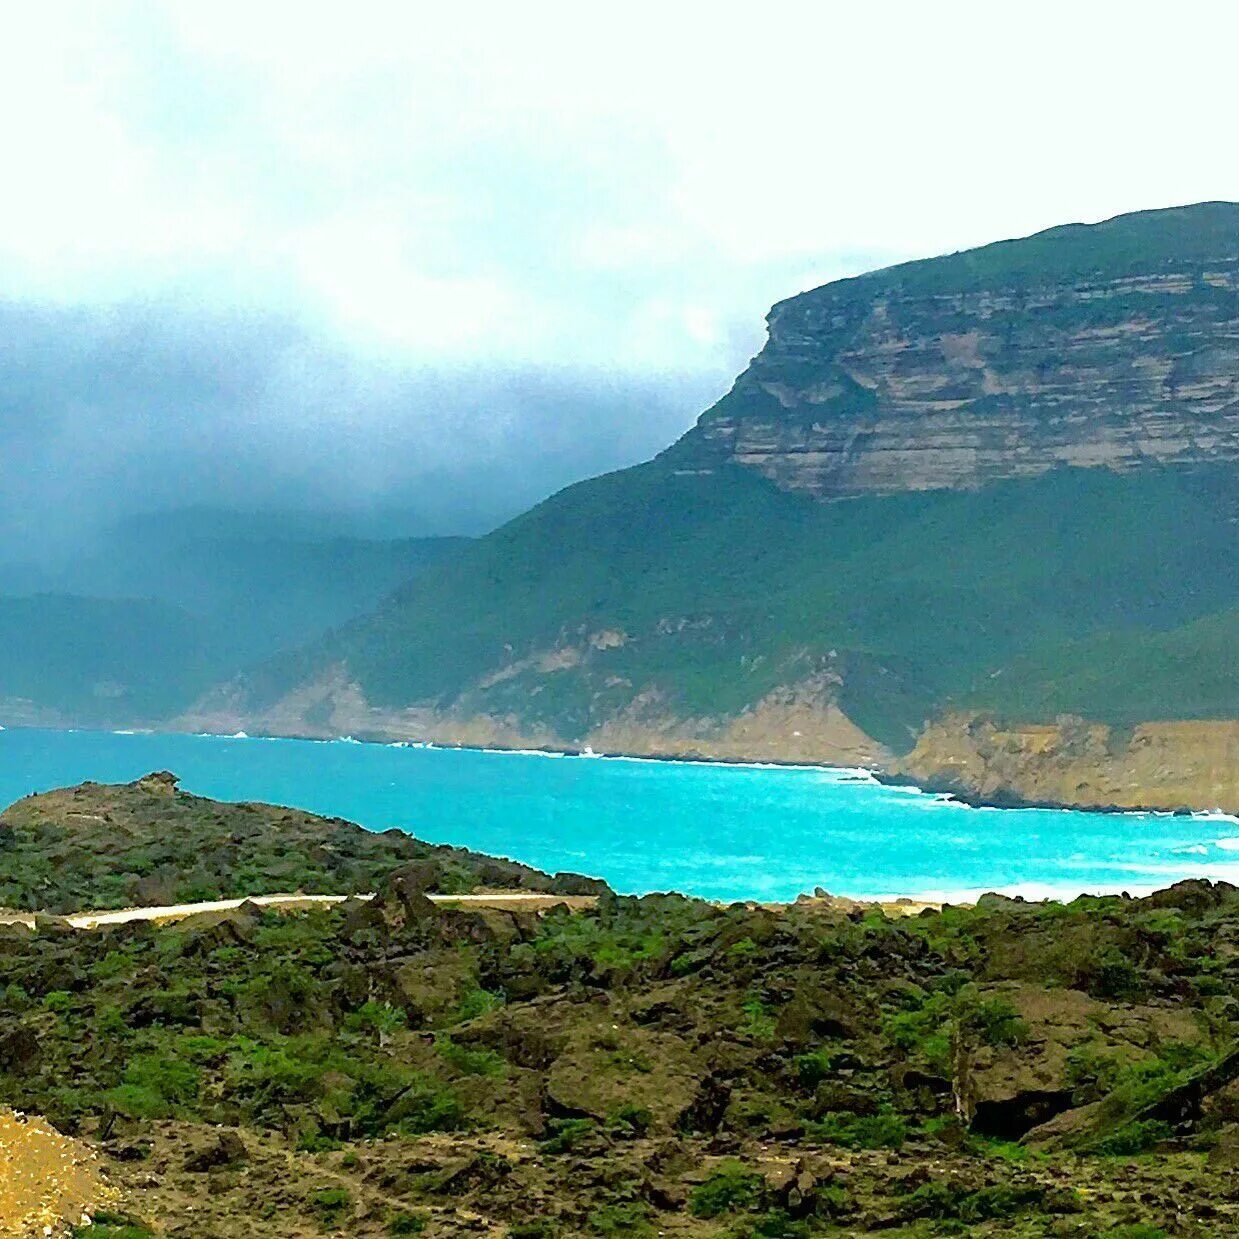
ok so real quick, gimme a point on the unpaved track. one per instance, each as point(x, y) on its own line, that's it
point(510, 901)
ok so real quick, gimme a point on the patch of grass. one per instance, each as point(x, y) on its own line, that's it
point(330, 1203)
point(628, 1218)
point(950, 1201)
point(630, 1121)
point(777, 1224)
point(568, 1134)
point(407, 1223)
point(109, 1225)
point(811, 1069)
point(758, 1021)
point(1132, 1139)
point(475, 1002)
point(469, 1060)
point(730, 1189)
point(884, 1130)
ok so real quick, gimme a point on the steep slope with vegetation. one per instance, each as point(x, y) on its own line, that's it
point(1023, 502)
point(650, 1066)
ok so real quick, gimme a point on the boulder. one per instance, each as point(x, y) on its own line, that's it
point(223, 1149)
point(813, 1013)
point(1225, 1153)
point(604, 1068)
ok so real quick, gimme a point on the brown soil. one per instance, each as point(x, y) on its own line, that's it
point(48, 1182)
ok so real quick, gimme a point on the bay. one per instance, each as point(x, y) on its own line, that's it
point(718, 831)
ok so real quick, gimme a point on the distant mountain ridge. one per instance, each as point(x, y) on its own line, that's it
point(133, 627)
point(1001, 481)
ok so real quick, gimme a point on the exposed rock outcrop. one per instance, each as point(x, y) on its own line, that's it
point(943, 374)
point(1155, 765)
point(799, 722)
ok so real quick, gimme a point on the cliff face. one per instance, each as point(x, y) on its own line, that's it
point(796, 723)
point(966, 370)
point(1153, 766)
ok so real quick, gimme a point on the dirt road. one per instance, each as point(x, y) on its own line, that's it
point(512, 901)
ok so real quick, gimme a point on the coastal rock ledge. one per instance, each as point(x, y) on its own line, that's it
point(1164, 766)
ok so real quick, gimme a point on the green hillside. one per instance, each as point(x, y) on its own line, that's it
point(1139, 242)
point(726, 587)
point(101, 660)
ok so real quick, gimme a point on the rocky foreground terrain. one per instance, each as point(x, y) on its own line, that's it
point(648, 1066)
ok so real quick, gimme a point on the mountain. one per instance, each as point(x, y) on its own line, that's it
point(135, 625)
point(65, 658)
point(1111, 345)
point(1000, 482)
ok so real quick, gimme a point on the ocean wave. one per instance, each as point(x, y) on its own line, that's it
point(1227, 845)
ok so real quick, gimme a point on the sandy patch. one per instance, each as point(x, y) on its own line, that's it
point(48, 1182)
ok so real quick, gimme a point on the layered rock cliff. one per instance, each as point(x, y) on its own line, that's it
point(1189, 764)
point(1004, 362)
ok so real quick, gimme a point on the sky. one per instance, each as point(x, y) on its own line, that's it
point(448, 259)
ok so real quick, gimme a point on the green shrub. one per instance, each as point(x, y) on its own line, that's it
point(994, 1021)
point(406, 1224)
point(950, 1201)
point(107, 1225)
point(568, 1134)
point(746, 948)
point(330, 1202)
point(380, 1019)
point(730, 1189)
point(758, 1021)
point(630, 1120)
point(811, 1069)
point(1133, 1138)
point(884, 1130)
point(629, 1218)
point(427, 1106)
point(1113, 975)
point(154, 1086)
point(924, 1031)
point(470, 1061)
point(776, 1224)
point(476, 1001)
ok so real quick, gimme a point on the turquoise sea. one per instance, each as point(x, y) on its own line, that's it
point(723, 832)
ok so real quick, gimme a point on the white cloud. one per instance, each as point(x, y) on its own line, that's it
point(566, 184)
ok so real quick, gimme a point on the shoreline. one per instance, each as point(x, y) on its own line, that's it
point(947, 791)
point(934, 892)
